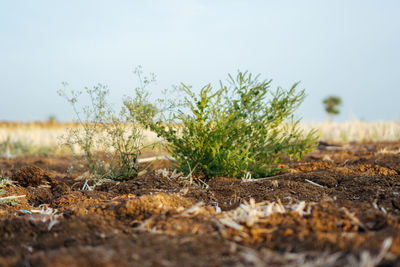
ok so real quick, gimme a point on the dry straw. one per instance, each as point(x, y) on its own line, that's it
point(47, 135)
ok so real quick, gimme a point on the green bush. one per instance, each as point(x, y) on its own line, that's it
point(240, 128)
point(110, 141)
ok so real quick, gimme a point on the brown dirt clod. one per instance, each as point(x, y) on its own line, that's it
point(31, 176)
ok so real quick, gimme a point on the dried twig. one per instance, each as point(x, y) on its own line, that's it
point(12, 197)
point(262, 179)
point(155, 158)
point(313, 183)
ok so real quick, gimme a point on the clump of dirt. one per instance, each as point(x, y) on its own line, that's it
point(32, 176)
point(132, 208)
point(40, 195)
point(78, 202)
point(144, 184)
point(311, 166)
point(12, 200)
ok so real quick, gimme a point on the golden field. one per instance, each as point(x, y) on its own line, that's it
point(45, 136)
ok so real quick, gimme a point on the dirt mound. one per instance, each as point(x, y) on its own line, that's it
point(132, 208)
point(151, 182)
point(78, 202)
point(32, 176)
point(12, 200)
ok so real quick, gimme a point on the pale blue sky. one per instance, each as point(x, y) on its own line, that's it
point(341, 47)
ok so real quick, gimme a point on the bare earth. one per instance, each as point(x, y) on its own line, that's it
point(340, 206)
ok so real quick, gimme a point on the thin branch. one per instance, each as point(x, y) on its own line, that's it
point(12, 197)
point(313, 183)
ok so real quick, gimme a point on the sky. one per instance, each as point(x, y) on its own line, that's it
point(346, 48)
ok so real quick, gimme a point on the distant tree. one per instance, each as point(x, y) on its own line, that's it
point(331, 104)
point(52, 119)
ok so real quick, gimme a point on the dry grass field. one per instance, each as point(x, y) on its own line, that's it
point(44, 137)
point(39, 137)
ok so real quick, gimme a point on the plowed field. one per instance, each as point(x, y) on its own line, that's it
point(340, 206)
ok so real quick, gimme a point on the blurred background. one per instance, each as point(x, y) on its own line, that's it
point(343, 48)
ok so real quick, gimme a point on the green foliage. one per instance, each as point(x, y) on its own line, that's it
point(331, 104)
point(4, 182)
point(239, 128)
point(9, 201)
point(110, 143)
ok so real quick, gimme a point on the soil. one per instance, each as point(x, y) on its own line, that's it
point(340, 206)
